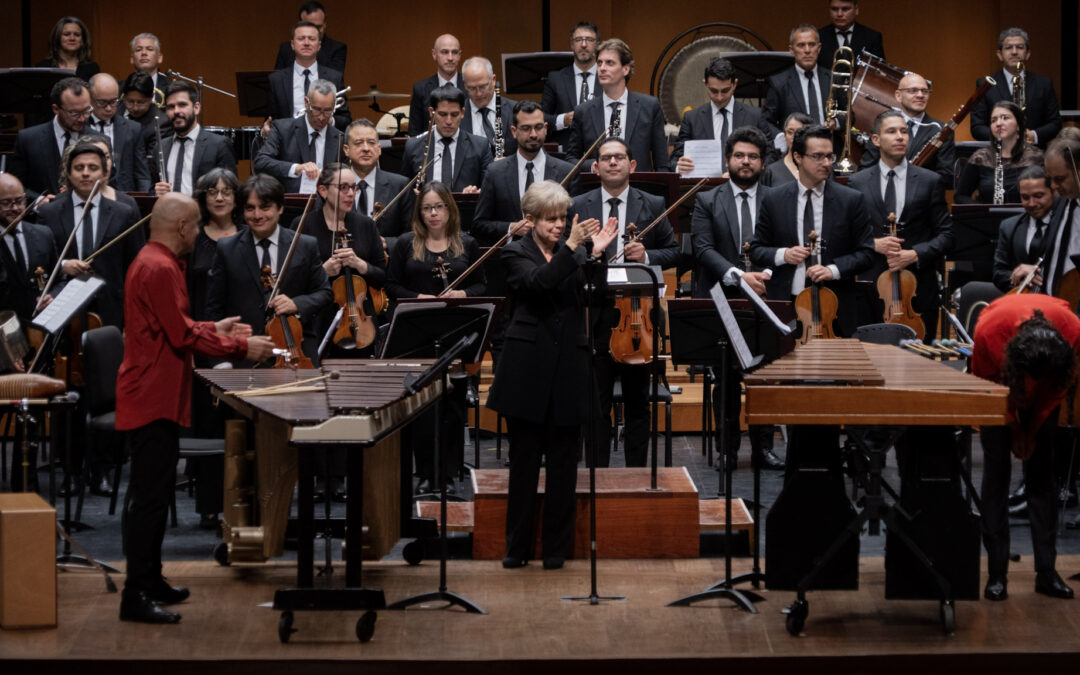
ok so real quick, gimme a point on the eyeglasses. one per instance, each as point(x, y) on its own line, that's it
point(323, 112)
point(916, 91)
point(14, 201)
point(77, 114)
point(478, 88)
point(214, 193)
point(343, 187)
point(433, 208)
point(529, 128)
point(107, 103)
point(582, 40)
point(821, 156)
point(619, 157)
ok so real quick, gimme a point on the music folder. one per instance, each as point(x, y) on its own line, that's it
point(76, 294)
point(747, 360)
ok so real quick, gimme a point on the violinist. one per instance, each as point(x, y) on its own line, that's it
point(628, 205)
point(917, 197)
point(24, 249)
point(236, 284)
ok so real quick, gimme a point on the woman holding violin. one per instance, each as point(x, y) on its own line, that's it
point(991, 175)
point(542, 377)
point(353, 259)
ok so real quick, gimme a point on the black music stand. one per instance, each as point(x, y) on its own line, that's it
point(414, 383)
point(527, 73)
point(753, 70)
point(26, 90)
point(253, 93)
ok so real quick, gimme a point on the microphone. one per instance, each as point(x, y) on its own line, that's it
point(172, 73)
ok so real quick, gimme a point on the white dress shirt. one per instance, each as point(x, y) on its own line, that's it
point(187, 181)
point(298, 85)
point(91, 222)
point(899, 184)
point(274, 237)
point(560, 120)
point(622, 112)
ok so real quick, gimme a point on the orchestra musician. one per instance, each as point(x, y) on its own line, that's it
point(236, 283)
point(290, 85)
point(844, 30)
point(107, 191)
point(192, 150)
point(153, 395)
point(924, 225)
point(803, 88)
point(569, 87)
point(375, 185)
point(36, 161)
point(331, 54)
point(615, 198)
point(723, 222)
point(70, 48)
point(422, 263)
point(480, 111)
point(146, 57)
point(633, 117)
point(1025, 239)
point(1040, 102)
point(546, 359)
point(1027, 342)
point(446, 53)
point(460, 158)
point(26, 248)
point(1062, 160)
point(128, 154)
point(977, 181)
point(298, 148)
point(784, 170)
point(137, 103)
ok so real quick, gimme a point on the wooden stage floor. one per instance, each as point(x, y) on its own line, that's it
point(529, 629)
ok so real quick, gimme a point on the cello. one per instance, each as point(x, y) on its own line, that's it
point(815, 305)
point(631, 339)
point(896, 289)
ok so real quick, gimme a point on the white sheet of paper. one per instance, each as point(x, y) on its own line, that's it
point(708, 156)
point(76, 293)
point(307, 185)
point(766, 310)
point(617, 275)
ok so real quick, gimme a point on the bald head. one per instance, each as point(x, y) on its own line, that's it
point(12, 198)
point(446, 54)
point(479, 79)
point(104, 96)
point(174, 222)
point(913, 93)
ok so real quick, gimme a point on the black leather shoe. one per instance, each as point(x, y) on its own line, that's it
point(553, 562)
point(424, 486)
point(997, 588)
point(510, 562)
point(766, 459)
point(165, 594)
point(1050, 583)
point(1019, 496)
point(1019, 510)
point(142, 608)
point(101, 487)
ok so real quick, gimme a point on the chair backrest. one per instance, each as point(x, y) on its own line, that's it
point(884, 333)
point(103, 351)
point(972, 298)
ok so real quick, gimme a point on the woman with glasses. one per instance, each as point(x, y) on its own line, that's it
point(977, 181)
point(69, 48)
point(785, 171)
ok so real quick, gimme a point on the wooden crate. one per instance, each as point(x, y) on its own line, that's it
point(27, 561)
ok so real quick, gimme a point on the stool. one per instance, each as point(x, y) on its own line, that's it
point(663, 395)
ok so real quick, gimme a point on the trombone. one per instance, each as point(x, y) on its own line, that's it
point(840, 78)
point(339, 98)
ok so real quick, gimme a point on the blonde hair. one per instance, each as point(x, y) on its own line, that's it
point(545, 197)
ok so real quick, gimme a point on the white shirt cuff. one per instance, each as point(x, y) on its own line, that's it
point(778, 259)
point(560, 122)
point(835, 272)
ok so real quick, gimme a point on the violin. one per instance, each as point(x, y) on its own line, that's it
point(286, 332)
point(441, 271)
point(896, 289)
point(815, 305)
point(632, 337)
point(70, 367)
point(356, 329)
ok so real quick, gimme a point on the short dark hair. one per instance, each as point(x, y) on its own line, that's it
point(359, 122)
point(310, 8)
point(82, 147)
point(746, 134)
point(616, 139)
point(73, 84)
point(524, 106)
point(180, 88)
point(304, 24)
point(1066, 148)
point(721, 69)
point(265, 187)
point(138, 82)
point(798, 144)
point(882, 116)
point(800, 117)
point(1013, 32)
point(209, 180)
point(1037, 351)
point(626, 57)
point(330, 170)
point(588, 25)
point(98, 138)
point(1034, 172)
point(447, 92)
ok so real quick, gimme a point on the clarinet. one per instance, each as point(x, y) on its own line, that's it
point(999, 174)
point(500, 150)
point(1019, 95)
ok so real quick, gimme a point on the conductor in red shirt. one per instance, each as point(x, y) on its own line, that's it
point(1029, 343)
point(153, 393)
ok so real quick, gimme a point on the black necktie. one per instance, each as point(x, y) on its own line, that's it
point(102, 123)
point(747, 219)
point(265, 261)
point(911, 131)
point(890, 194)
point(87, 230)
point(178, 174)
point(616, 123)
point(613, 212)
point(67, 138)
point(723, 137)
point(447, 163)
point(811, 97)
point(20, 259)
point(489, 131)
point(584, 88)
point(808, 218)
point(307, 80)
point(311, 146)
point(1035, 247)
point(845, 38)
point(361, 198)
point(529, 174)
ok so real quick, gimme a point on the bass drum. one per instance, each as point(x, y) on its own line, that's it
point(242, 139)
point(873, 92)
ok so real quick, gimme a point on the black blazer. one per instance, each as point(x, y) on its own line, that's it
point(36, 161)
point(288, 144)
point(471, 159)
point(562, 90)
point(642, 208)
point(941, 163)
point(235, 286)
point(281, 94)
point(924, 224)
point(845, 231)
point(698, 125)
point(331, 54)
point(111, 265)
point(398, 218)
point(418, 104)
point(717, 237)
point(1011, 249)
point(129, 156)
point(862, 39)
point(211, 151)
point(1042, 114)
point(542, 375)
point(507, 114)
point(785, 96)
point(499, 205)
point(19, 291)
point(643, 129)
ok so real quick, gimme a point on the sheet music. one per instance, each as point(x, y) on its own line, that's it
point(760, 303)
point(708, 156)
point(77, 292)
point(731, 326)
point(307, 185)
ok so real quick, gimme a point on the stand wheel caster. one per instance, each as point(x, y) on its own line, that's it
point(948, 617)
point(796, 617)
point(221, 554)
point(284, 626)
point(365, 627)
point(413, 552)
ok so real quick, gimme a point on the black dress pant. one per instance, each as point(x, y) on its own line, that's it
point(761, 435)
point(1041, 496)
point(636, 413)
point(451, 436)
point(155, 449)
point(559, 446)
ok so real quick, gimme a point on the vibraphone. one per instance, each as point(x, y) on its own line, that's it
point(362, 409)
point(867, 388)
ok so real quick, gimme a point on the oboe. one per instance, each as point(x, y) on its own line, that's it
point(999, 174)
point(500, 150)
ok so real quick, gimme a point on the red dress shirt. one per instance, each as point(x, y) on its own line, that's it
point(160, 337)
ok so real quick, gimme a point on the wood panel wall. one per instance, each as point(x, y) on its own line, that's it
point(951, 43)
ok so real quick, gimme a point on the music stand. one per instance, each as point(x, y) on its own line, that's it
point(253, 93)
point(753, 70)
point(526, 73)
point(26, 90)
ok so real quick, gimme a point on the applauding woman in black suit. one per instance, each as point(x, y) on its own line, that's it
point(541, 383)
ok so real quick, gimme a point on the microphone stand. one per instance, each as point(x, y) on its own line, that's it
point(199, 84)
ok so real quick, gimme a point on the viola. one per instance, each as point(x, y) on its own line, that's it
point(286, 332)
point(815, 305)
point(632, 337)
point(356, 329)
point(896, 289)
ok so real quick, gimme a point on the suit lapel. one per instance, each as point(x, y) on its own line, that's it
point(598, 120)
point(635, 204)
point(728, 205)
point(246, 249)
point(706, 113)
point(514, 185)
point(464, 146)
point(284, 241)
point(630, 115)
point(466, 117)
point(106, 213)
point(196, 157)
